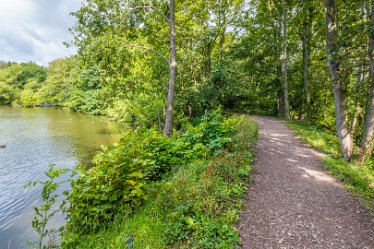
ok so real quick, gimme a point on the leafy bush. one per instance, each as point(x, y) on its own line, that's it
point(89, 101)
point(6, 93)
point(194, 205)
point(139, 109)
point(203, 199)
point(29, 98)
point(117, 183)
point(48, 237)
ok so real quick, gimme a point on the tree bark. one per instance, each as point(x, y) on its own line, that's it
point(357, 101)
point(285, 111)
point(168, 129)
point(307, 35)
point(209, 60)
point(367, 139)
point(278, 70)
point(223, 32)
point(339, 88)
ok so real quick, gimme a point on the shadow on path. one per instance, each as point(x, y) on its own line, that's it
point(294, 203)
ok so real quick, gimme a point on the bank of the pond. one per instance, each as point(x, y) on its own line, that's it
point(34, 139)
point(195, 203)
point(357, 178)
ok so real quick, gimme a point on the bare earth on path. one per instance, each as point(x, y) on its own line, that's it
point(294, 203)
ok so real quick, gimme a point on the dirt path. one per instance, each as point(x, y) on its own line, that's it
point(293, 203)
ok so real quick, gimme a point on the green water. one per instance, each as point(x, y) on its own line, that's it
point(34, 139)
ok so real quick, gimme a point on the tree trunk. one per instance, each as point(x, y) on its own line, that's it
point(357, 101)
point(209, 60)
point(367, 139)
point(222, 27)
point(168, 129)
point(307, 35)
point(339, 88)
point(285, 111)
point(222, 37)
point(159, 121)
point(278, 71)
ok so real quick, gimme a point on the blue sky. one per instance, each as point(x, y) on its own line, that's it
point(34, 30)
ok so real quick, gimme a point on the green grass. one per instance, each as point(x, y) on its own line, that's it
point(145, 226)
point(196, 207)
point(357, 179)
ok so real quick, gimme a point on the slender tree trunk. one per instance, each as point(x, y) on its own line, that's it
point(360, 78)
point(278, 71)
point(222, 37)
point(159, 121)
point(339, 88)
point(367, 139)
point(357, 101)
point(307, 35)
point(209, 60)
point(285, 112)
point(168, 129)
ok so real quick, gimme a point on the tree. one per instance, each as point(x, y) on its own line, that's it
point(367, 139)
point(173, 72)
point(168, 127)
point(285, 107)
point(306, 46)
point(61, 76)
point(339, 85)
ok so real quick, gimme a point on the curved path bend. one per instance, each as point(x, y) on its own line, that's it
point(294, 203)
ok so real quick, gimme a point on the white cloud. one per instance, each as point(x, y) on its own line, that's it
point(34, 30)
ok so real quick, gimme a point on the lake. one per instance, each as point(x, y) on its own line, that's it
point(34, 139)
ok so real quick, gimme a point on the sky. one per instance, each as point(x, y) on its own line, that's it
point(34, 30)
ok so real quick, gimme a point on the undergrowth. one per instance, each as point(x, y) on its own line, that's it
point(180, 192)
point(358, 179)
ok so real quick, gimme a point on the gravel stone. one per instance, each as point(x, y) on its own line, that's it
point(294, 203)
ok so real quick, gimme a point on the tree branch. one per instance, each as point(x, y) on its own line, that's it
point(148, 49)
point(150, 6)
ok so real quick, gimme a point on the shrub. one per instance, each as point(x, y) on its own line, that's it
point(116, 184)
point(29, 98)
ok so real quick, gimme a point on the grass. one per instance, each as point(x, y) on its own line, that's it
point(357, 179)
point(196, 207)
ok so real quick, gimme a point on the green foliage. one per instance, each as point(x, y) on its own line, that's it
point(30, 71)
point(87, 102)
point(6, 93)
point(116, 183)
point(61, 77)
point(357, 178)
point(145, 226)
point(28, 98)
point(87, 95)
point(141, 109)
point(194, 205)
point(223, 88)
point(45, 212)
point(20, 82)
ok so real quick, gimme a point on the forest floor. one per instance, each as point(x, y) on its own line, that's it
point(294, 203)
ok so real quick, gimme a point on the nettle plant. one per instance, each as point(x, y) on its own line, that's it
point(48, 237)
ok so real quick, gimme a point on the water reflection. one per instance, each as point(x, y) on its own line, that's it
point(34, 139)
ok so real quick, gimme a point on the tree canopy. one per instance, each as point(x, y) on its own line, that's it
point(269, 57)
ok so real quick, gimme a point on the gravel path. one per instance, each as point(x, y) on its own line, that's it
point(293, 203)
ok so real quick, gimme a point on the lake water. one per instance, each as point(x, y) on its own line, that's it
point(34, 139)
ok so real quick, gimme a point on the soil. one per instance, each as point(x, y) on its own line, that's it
point(294, 203)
